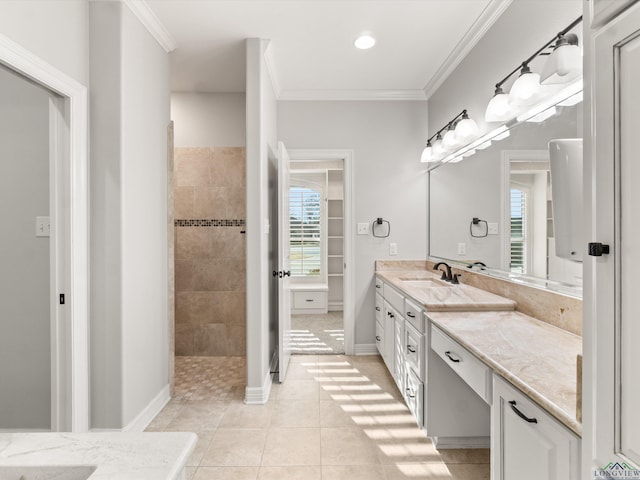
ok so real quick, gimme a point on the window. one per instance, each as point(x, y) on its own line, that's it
point(517, 257)
point(305, 231)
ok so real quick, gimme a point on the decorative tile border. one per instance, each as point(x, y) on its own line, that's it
point(209, 223)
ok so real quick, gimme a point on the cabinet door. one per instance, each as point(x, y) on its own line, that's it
point(612, 331)
point(527, 444)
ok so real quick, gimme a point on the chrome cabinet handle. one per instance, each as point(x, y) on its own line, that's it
point(520, 414)
point(409, 314)
point(448, 354)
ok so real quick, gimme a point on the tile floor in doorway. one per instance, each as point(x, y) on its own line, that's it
point(317, 334)
point(335, 417)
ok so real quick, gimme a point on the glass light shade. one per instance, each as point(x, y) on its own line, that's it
point(466, 130)
point(449, 140)
point(524, 89)
point(364, 41)
point(498, 108)
point(438, 149)
point(427, 154)
point(563, 65)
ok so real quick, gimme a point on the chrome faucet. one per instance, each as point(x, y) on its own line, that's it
point(446, 274)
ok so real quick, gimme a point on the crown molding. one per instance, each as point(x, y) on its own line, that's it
point(152, 23)
point(483, 23)
point(352, 95)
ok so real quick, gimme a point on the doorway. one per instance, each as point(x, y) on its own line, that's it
point(319, 212)
point(53, 165)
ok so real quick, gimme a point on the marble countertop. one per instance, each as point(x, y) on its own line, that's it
point(537, 358)
point(122, 456)
point(441, 296)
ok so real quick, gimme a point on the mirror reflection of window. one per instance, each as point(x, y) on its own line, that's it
point(518, 240)
point(305, 216)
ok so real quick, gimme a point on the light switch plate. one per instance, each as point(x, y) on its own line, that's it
point(43, 227)
point(492, 228)
point(363, 229)
point(462, 249)
point(393, 249)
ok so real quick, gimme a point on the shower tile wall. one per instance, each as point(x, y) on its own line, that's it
point(210, 251)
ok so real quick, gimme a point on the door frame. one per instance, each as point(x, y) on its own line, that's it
point(347, 156)
point(70, 260)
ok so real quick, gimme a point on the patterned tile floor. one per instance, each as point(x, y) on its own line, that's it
point(335, 417)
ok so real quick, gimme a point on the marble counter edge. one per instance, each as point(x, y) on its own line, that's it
point(538, 397)
point(155, 453)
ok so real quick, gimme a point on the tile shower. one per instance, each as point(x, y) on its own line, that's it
point(210, 251)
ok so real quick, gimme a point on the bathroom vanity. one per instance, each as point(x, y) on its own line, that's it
point(82, 456)
point(487, 375)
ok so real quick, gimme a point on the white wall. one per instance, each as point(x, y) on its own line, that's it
point(145, 118)
point(129, 118)
point(25, 296)
point(56, 31)
point(389, 181)
point(261, 141)
point(209, 119)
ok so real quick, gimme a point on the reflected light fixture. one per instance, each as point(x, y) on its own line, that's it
point(459, 130)
point(365, 41)
point(565, 62)
point(563, 65)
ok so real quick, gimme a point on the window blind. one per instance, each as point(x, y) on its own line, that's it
point(305, 234)
point(517, 258)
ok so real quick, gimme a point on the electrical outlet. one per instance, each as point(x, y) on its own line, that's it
point(462, 249)
point(363, 229)
point(43, 227)
point(492, 228)
point(393, 249)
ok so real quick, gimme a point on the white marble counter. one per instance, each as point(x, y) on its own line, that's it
point(442, 296)
point(537, 358)
point(122, 456)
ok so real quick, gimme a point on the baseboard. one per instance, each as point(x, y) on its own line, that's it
point(461, 442)
point(25, 430)
point(335, 306)
point(365, 349)
point(260, 395)
point(150, 412)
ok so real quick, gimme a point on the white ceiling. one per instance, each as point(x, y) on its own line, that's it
point(311, 50)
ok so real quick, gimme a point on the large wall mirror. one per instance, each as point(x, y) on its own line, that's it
point(516, 206)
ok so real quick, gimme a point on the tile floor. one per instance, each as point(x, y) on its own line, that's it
point(335, 417)
point(313, 334)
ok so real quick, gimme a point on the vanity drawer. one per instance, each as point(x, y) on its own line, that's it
point(413, 314)
point(394, 298)
point(380, 338)
point(414, 350)
point(413, 394)
point(309, 300)
point(379, 308)
point(475, 373)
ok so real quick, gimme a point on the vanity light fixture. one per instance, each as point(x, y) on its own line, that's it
point(458, 130)
point(365, 41)
point(564, 64)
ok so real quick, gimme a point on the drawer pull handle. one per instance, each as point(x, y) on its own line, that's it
point(520, 414)
point(378, 338)
point(409, 314)
point(409, 393)
point(454, 360)
point(377, 309)
point(309, 300)
point(411, 349)
point(378, 286)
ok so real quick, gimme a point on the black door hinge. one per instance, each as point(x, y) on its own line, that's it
point(597, 249)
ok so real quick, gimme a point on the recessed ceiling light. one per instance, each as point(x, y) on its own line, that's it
point(364, 41)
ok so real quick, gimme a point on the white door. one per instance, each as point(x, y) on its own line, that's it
point(612, 330)
point(284, 264)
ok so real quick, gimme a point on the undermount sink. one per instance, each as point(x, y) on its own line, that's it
point(431, 283)
point(46, 473)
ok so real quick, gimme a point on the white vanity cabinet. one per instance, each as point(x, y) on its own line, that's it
point(526, 443)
